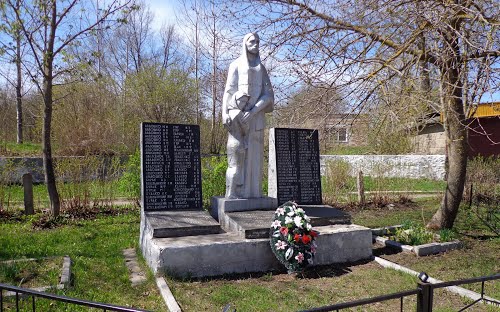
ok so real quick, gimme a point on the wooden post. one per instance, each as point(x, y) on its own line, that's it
point(28, 194)
point(361, 188)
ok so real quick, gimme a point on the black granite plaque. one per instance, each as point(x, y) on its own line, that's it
point(297, 166)
point(171, 168)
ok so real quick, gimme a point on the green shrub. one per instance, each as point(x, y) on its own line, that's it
point(213, 174)
point(483, 174)
point(6, 171)
point(130, 181)
point(338, 184)
point(447, 235)
point(413, 234)
point(87, 181)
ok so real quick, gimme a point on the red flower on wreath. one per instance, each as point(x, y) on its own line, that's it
point(306, 239)
point(296, 238)
point(313, 233)
point(284, 231)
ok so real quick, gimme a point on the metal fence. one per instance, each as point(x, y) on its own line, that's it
point(28, 294)
point(424, 293)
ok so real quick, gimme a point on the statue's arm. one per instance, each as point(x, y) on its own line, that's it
point(266, 100)
point(231, 88)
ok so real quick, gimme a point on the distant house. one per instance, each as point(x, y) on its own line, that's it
point(334, 129)
point(483, 127)
point(340, 129)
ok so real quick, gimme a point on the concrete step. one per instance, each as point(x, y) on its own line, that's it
point(255, 224)
point(218, 254)
point(180, 223)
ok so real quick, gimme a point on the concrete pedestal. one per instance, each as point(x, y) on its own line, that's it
point(221, 206)
point(218, 254)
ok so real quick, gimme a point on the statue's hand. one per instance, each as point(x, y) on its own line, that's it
point(227, 122)
point(246, 117)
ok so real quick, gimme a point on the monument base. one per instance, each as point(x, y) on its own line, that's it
point(256, 224)
point(226, 253)
point(221, 205)
point(178, 223)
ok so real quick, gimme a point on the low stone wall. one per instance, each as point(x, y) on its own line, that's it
point(406, 166)
point(13, 168)
point(400, 166)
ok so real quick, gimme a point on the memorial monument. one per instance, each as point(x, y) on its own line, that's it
point(294, 166)
point(248, 96)
point(180, 238)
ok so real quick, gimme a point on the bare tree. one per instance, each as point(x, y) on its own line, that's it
point(359, 45)
point(50, 27)
point(14, 53)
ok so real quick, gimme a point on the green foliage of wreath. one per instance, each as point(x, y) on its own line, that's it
point(292, 237)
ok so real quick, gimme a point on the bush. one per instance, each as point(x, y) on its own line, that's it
point(447, 235)
point(483, 173)
point(85, 182)
point(413, 234)
point(213, 173)
point(338, 184)
point(6, 172)
point(130, 182)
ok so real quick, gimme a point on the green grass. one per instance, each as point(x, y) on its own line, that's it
point(31, 273)
point(403, 184)
point(282, 292)
point(13, 195)
point(95, 248)
point(478, 257)
point(24, 149)
point(333, 284)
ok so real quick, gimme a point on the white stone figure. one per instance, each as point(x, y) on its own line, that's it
point(247, 97)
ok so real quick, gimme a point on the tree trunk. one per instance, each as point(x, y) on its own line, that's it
point(48, 164)
point(457, 146)
point(19, 100)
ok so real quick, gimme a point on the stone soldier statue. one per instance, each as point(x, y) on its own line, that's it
point(247, 97)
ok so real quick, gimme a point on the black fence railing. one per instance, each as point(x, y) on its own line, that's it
point(424, 294)
point(12, 303)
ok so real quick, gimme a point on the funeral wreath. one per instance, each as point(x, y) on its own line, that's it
point(292, 237)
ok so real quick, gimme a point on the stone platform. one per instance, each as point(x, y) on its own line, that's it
point(217, 254)
point(178, 223)
point(256, 223)
point(221, 205)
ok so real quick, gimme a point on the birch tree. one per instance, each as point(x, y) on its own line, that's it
point(50, 27)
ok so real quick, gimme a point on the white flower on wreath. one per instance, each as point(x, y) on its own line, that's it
point(280, 211)
point(298, 221)
point(308, 226)
point(276, 224)
point(291, 213)
point(299, 257)
point(288, 220)
point(281, 245)
point(299, 210)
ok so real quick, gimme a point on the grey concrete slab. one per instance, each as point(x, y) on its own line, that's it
point(256, 224)
point(221, 204)
point(217, 254)
point(326, 215)
point(180, 223)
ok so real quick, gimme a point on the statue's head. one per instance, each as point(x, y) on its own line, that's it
point(251, 43)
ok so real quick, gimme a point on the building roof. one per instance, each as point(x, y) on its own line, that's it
point(485, 110)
